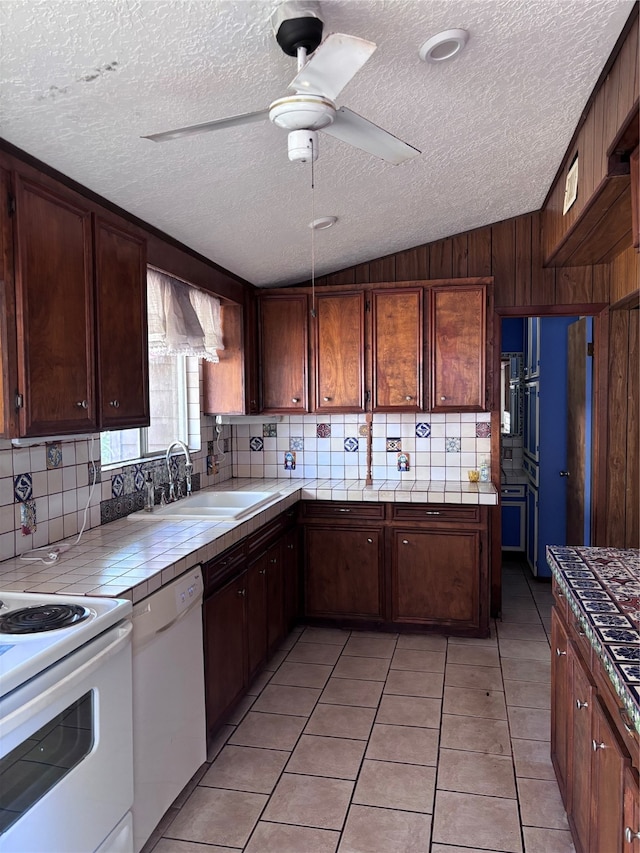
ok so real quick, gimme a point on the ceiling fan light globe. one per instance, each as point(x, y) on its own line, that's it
point(302, 112)
point(303, 146)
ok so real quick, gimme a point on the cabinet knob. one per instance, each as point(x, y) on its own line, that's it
point(274, 560)
point(369, 540)
point(115, 403)
point(596, 746)
point(564, 474)
point(295, 399)
point(630, 835)
point(82, 404)
point(326, 399)
point(242, 592)
point(443, 398)
point(560, 652)
point(580, 704)
point(262, 571)
point(405, 541)
point(408, 398)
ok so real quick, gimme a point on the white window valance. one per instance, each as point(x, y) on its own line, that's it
point(182, 319)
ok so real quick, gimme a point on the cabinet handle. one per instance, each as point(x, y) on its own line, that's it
point(596, 746)
point(242, 592)
point(626, 720)
point(580, 704)
point(326, 399)
point(82, 404)
point(405, 541)
point(408, 398)
point(262, 571)
point(432, 512)
point(630, 835)
point(274, 560)
point(295, 399)
point(343, 510)
point(369, 540)
point(560, 652)
point(115, 403)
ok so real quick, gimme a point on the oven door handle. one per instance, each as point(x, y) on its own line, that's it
point(20, 711)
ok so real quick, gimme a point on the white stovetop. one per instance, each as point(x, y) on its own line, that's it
point(125, 559)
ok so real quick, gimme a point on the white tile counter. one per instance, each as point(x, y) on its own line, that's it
point(129, 559)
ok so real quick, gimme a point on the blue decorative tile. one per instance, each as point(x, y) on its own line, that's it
point(269, 430)
point(296, 442)
point(256, 443)
point(290, 461)
point(95, 470)
point(351, 444)
point(138, 478)
point(128, 479)
point(394, 444)
point(453, 444)
point(28, 517)
point(403, 462)
point(117, 486)
point(423, 430)
point(54, 454)
point(22, 488)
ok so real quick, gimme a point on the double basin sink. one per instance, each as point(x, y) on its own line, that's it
point(209, 506)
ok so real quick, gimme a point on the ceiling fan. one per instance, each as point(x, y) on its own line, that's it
point(319, 81)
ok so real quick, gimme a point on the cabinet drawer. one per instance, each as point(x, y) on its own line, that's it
point(559, 599)
point(346, 510)
point(436, 513)
point(222, 568)
point(512, 492)
point(578, 636)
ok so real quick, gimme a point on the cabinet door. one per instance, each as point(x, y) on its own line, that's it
point(436, 577)
point(284, 353)
point(257, 614)
point(54, 312)
point(532, 420)
point(343, 572)
point(532, 529)
point(275, 596)
point(121, 307)
point(457, 346)
point(559, 702)
point(339, 352)
point(580, 747)
point(631, 822)
point(608, 764)
point(532, 348)
point(225, 648)
point(397, 350)
point(291, 578)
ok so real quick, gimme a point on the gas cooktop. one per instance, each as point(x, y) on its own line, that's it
point(38, 630)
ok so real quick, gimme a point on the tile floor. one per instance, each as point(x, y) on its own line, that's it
point(372, 743)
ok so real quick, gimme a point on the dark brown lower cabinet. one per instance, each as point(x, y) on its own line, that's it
point(595, 756)
point(251, 600)
point(408, 566)
point(225, 648)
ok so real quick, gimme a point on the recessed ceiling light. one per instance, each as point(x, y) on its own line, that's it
point(443, 46)
point(323, 222)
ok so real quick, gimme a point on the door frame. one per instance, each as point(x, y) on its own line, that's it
point(600, 312)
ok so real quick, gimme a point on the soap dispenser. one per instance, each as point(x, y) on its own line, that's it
point(484, 471)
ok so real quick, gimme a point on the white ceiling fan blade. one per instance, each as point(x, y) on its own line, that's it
point(362, 133)
point(332, 65)
point(205, 127)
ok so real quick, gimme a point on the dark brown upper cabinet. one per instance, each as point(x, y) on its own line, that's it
point(284, 353)
point(121, 324)
point(338, 339)
point(397, 349)
point(54, 312)
point(458, 343)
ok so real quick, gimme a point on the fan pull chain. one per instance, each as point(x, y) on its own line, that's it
point(313, 248)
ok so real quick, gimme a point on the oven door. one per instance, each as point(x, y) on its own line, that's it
point(66, 767)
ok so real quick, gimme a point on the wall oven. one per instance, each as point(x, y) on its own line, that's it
point(66, 766)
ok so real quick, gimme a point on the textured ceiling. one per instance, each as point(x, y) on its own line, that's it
point(81, 81)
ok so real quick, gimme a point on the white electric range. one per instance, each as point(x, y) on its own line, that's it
point(66, 768)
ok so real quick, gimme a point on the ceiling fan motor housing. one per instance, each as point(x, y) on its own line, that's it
point(302, 112)
point(296, 24)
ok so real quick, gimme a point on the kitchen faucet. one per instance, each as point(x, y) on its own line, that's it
point(188, 468)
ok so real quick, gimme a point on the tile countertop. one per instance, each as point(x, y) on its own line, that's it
point(128, 559)
point(602, 586)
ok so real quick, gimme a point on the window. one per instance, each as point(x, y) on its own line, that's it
point(184, 326)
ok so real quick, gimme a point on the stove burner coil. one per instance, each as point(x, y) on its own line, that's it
point(42, 617)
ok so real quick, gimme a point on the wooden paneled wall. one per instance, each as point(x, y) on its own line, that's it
point(510, 251)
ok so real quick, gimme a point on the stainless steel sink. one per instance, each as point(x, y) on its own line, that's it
point(209, 506)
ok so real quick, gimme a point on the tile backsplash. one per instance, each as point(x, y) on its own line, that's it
point(45, 489)
point(436, 446)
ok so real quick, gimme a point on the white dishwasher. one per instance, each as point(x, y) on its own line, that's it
point(169, 728)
